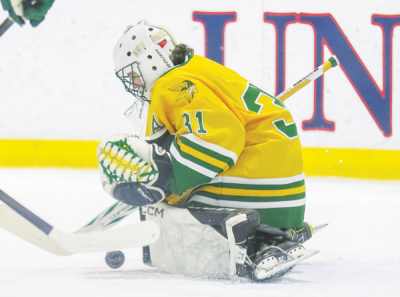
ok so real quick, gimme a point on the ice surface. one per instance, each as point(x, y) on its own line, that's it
point(359, 249)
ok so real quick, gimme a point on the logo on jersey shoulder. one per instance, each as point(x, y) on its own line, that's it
point(186, 90)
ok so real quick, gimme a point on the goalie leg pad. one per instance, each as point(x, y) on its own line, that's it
point(199, 242)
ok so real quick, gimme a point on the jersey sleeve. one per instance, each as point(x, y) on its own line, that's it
point(209, 135)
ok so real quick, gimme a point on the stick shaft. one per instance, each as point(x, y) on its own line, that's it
point(5, 25)
point(332, 62)
point(18, 220)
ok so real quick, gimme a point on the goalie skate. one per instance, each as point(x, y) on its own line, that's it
point(275, 261)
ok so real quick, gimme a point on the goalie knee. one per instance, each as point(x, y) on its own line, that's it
point(242, 222)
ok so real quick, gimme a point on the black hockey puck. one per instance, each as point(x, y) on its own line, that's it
point(115, 259)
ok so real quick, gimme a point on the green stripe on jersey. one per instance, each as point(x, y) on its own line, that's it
point(185, 178)
point(208, 151)
point(187, 174)
point(258, 186)
point(287, 217)
point(197, 160)
point(251, 198)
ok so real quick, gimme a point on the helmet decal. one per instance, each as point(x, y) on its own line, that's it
point(162, 43)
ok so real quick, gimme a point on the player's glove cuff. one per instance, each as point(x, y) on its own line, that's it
point(137, 194)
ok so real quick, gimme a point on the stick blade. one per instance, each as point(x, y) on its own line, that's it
point(20, 221)
point(134, 235)
point(14, 223)
point(64, 244)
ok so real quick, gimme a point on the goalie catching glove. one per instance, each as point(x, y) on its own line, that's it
point(133, 171)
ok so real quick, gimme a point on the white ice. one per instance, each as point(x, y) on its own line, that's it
point(359, 249)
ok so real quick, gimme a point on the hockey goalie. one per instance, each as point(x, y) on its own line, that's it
point(217, 163)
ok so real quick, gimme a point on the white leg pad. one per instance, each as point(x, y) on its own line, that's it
point(185, 245)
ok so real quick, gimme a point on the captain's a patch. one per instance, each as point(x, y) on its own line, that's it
point(186, 90)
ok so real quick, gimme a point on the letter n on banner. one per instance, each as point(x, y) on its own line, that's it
point(378, 102)
point(214, 30)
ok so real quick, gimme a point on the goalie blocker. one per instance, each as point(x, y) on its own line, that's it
point(221, 243)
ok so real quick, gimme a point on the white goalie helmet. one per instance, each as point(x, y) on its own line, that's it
point(141, 56)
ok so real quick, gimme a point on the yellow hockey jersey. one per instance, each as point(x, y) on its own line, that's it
point(236, 145)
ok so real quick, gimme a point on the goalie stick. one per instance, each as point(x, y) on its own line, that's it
point(18, 220)
point(8, 22)
point(108, 218)
point(331, 63)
